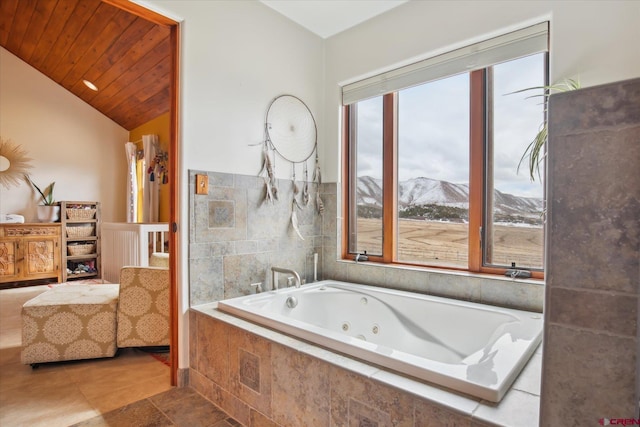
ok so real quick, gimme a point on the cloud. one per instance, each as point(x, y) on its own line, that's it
point(433, 128)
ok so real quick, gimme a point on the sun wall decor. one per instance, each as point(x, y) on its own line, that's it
point(14, 163)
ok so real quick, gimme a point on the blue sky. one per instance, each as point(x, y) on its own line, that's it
point(433, 128)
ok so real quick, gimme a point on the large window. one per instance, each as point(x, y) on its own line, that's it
point(513, 221)
point(432, 169)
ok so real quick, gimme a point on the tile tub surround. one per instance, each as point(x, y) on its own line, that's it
point(591, 312)
point(235, 237)
point(443, 341)
point(482, 288)
point(261, 377)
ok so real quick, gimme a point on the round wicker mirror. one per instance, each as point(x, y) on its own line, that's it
point(14, 163)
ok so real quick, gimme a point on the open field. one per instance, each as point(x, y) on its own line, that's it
point(446, 243)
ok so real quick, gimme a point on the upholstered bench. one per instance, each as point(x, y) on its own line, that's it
point(70, 322)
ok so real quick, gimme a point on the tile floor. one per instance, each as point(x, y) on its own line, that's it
point(132, 389)
point(180, 407)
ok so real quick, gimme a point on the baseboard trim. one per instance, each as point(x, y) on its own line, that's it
point(183, 377)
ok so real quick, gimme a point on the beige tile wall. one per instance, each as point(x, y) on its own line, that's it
point(296, 389)
point(235, 237)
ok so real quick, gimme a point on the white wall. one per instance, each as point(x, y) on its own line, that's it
point(69, 141)
point(596, 41)
point(236, 56)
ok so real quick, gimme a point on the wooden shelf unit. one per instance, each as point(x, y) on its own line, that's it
point(71, 224)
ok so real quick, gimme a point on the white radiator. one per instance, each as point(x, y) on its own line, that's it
point(130, 244)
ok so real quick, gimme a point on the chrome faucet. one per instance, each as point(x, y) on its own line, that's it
point(515, 273)
point(362, 257)
point(274, 276)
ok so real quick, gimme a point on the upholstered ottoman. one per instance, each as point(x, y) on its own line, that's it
point(70, 322)
point(159, 259)
point(143, 309)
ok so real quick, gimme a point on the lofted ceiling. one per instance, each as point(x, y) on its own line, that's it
point(125, 56)
point(329, 17)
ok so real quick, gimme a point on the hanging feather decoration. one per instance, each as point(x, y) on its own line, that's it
point(296, 189)
point(294, 218)
point(317, 178)
point(305, 187)
point(316, 171)
point(269, 176)
point(294, 204)
point(269, 191)
point(319, 204)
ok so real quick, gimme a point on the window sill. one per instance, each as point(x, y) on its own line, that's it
point(491, 289)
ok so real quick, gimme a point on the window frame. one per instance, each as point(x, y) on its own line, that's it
point(478, 143)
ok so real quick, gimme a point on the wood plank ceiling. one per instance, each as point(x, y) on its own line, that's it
point(126, 57)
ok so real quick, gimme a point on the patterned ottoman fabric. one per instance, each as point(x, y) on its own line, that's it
point(70, 323)
point(159, 259)
point(143, 308)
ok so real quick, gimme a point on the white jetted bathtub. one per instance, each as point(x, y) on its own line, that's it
point(472, 348)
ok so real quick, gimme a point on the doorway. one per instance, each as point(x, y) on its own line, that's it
point(174, 211)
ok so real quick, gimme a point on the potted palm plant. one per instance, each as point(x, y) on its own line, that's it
point(49, 210)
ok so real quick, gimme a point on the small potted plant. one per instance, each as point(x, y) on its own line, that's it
point(48, 211)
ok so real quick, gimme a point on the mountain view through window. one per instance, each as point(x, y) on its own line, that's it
point(433, 158)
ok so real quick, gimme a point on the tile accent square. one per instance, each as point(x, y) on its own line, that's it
point(242, 369)
point(361, 415)
point(222, 214)
point(249, 370)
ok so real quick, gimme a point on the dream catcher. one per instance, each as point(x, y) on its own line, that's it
point(290, 130)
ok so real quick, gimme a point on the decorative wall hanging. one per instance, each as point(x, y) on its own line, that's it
point(290, 131)
point(14, 163)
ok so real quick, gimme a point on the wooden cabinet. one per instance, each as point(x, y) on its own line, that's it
point(30, 252)
point(80, 240)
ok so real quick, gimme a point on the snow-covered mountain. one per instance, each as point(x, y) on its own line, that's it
point(427, 191)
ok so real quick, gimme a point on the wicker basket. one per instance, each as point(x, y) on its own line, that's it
point(81, 249)
point(80, 231)
point(76, 214)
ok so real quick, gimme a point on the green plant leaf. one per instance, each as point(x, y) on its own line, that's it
point(534, 154)
point(47, 194)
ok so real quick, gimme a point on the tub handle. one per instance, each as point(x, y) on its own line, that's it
point(258, 287)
